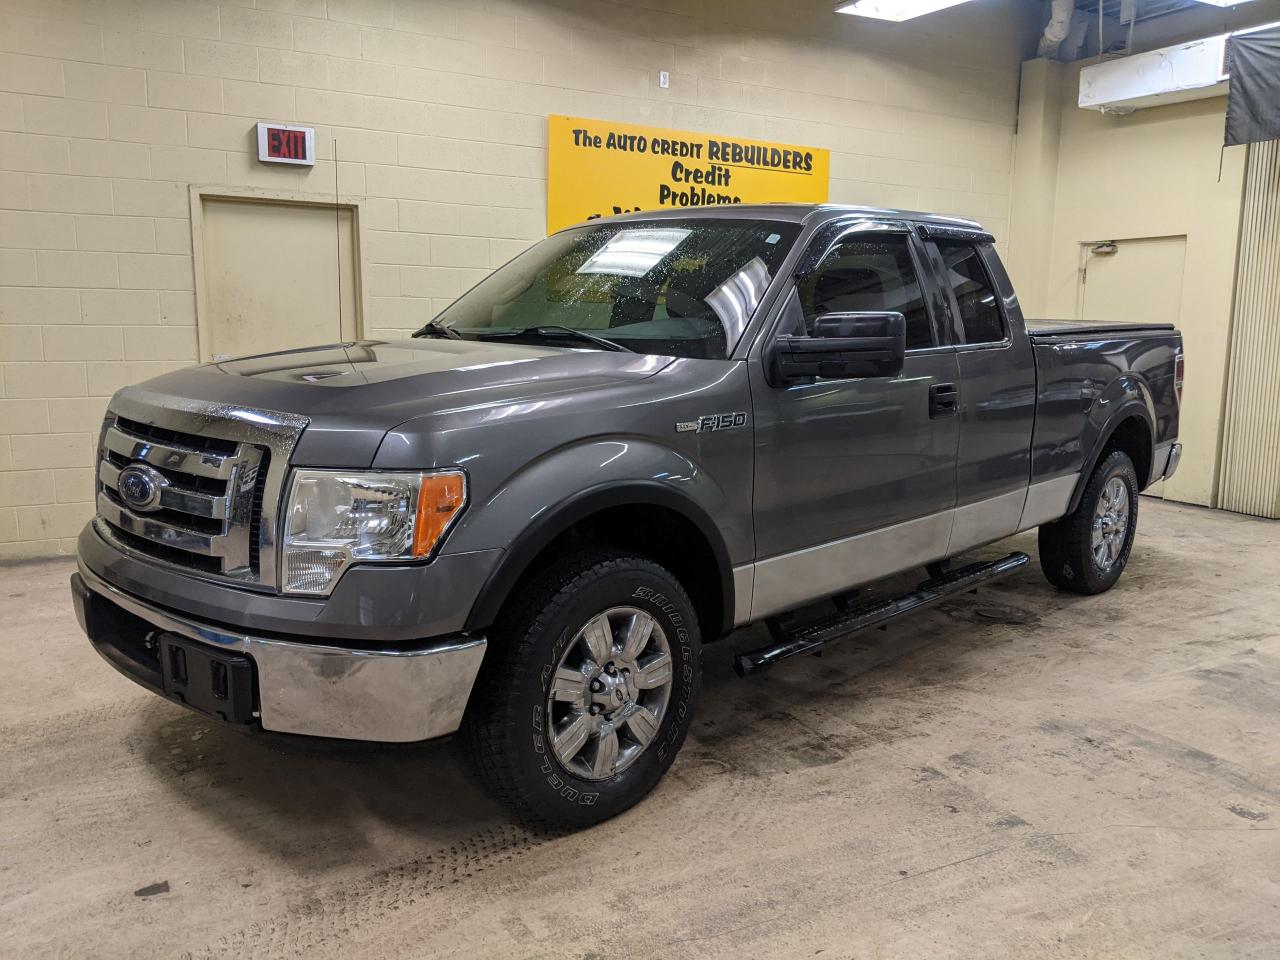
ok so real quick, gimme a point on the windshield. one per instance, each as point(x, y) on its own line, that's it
point(673, 287)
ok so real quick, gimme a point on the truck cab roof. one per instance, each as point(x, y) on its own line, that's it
point(796, 213)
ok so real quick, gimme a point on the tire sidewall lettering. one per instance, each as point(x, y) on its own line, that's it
point(669, 614)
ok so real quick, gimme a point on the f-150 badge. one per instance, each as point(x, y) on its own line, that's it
point(712, 421)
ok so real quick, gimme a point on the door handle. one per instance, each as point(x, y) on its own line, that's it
point(944, 400)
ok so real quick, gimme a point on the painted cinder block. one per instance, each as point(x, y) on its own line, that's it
point(26, 74)
point(105, 307)
point(76, 414)
point(147, 124)
point(70, 194)
point(110, 84)
point(24, 416)
point(36, 380)
point(51, 520)
point(83, 343)
point(21, 342)
point(22, 304)
point(165, 343)
point(109, 113)
point(66, 268)
point(180, 91)
point(134, 48)
point(121, 234)
point(37, 230)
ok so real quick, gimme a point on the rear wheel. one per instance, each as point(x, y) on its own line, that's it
point(1087, 550)
point(587, 698)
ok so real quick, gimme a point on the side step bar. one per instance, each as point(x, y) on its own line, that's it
point(813, 636)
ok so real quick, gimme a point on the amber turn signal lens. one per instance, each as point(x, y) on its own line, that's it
point(440, 498)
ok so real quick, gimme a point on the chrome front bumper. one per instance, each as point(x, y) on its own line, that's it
point(327, 691)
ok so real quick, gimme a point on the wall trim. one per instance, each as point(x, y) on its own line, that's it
point(201, 192)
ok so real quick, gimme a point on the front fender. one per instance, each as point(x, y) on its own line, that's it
point(550, 495)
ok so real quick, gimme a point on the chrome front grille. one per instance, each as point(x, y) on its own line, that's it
point(194, 485)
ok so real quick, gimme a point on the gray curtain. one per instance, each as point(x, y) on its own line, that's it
point(1253, 98)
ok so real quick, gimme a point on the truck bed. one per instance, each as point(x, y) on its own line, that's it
point(1047, 329)
point(1087, 375)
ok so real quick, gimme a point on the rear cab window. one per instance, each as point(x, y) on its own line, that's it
point(974, 293)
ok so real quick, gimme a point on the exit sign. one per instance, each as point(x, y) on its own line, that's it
point(279, 144)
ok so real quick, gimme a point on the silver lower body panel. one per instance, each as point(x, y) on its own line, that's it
point(390, 696)
point(784, 582)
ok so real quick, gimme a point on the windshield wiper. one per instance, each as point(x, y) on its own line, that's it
point(437, 329)
point(553, 331)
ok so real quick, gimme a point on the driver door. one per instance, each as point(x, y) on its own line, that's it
point(854, 479)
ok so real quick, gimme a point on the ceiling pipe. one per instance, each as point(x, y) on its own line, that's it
point(1057, 28)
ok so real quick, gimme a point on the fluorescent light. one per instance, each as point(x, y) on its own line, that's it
point(896, 10)
point(633, 253)
point(1226, 3)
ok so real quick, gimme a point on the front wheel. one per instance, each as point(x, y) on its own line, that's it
point(1087, 550)
point(587, 697)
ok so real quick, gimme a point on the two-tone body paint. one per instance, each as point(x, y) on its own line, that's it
point(538, 428)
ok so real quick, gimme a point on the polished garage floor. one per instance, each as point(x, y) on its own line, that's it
point(1016, 774)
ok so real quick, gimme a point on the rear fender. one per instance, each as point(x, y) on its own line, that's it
point(1125, 397)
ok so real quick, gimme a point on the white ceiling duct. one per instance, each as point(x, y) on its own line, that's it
point(1187, 71)
point(1057, 28)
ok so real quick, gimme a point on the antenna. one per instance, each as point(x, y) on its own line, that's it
point(337, 234)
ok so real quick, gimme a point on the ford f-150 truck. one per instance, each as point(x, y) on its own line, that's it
point(640, 434)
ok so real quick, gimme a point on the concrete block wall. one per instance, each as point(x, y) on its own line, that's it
point(111, 109)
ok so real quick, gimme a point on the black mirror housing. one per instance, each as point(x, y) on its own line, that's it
point(844, 346)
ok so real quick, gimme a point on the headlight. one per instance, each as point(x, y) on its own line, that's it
point(339, 517)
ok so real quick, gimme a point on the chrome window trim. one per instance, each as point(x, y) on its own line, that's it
point(1004, 344)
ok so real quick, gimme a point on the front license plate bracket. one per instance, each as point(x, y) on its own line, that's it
point(219, 683)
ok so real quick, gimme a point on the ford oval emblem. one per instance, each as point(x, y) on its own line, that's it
point(140, 486)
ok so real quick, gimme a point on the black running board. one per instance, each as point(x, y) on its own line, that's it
point(813, 636)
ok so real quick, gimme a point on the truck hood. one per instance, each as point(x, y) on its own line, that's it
point(353, 393)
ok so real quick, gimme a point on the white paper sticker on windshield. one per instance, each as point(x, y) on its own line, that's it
point(773, 238)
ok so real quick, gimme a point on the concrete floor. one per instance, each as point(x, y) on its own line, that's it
point(1017, 774)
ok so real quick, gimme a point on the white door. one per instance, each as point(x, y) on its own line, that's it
point(1141, 282)
point(275, 275)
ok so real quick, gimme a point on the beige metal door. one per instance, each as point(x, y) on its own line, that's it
point(275, 275)
point(1140, 282)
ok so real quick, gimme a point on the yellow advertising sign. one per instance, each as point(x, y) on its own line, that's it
point(596, 168)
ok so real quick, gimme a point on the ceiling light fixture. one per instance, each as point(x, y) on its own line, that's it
point(1226, 3)
point(895, 10)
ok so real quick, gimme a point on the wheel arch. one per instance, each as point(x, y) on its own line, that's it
point(688, 543)
point(1131, 428)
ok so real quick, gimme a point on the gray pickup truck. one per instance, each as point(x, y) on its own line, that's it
point(642, 433)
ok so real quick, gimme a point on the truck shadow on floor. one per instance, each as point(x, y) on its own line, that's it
point(315, 806)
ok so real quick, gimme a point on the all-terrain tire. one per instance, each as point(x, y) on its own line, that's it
point(506, 735)
point(1067, 549)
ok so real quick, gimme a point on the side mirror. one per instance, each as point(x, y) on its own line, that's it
point(844, 345)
